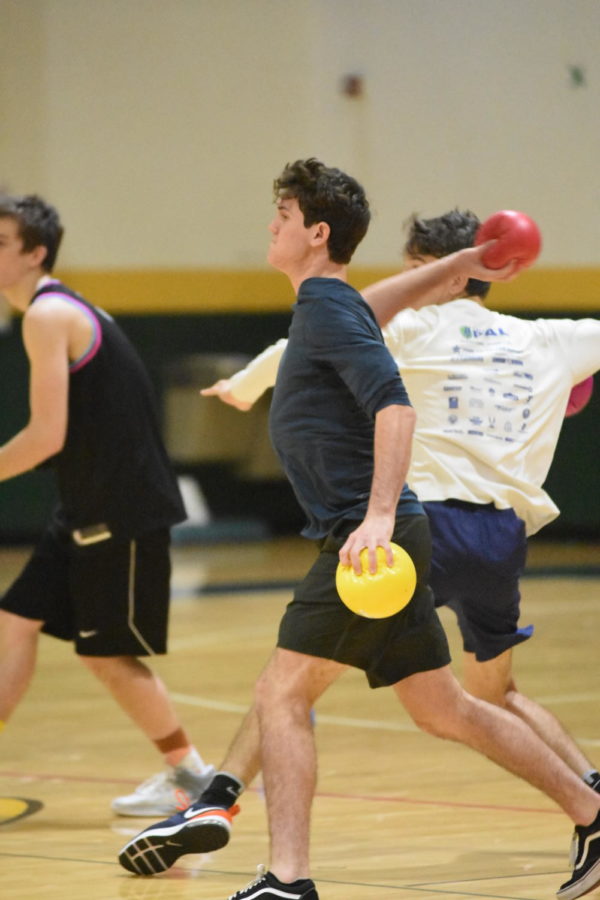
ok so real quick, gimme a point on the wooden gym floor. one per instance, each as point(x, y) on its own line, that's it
point(398, 813)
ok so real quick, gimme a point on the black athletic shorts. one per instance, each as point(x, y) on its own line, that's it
point(317, 623)
point(110, 598)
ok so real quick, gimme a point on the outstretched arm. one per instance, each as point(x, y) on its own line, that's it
point(244, 388)
point(418, 286)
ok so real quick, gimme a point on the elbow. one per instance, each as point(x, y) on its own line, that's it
point(55, 446)
point(50, 444)
point(401, 412)
point(409, 421)
point(410, 416)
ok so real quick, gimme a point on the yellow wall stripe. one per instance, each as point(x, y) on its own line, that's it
point(160, 291)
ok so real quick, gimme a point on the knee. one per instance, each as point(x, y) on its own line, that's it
point(447, 720)
point(497, 695)
point(110, 669)
point(495, 688)
point(490, 680)
point(435, 701)
point(269, 690)
point(434, 722)
point(513, 699)
point(273, 694)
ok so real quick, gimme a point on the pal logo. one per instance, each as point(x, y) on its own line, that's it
point(468, 332)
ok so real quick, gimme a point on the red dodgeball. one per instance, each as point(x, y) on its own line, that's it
point(517, 237)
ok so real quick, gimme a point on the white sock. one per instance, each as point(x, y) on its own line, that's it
point(194, 763)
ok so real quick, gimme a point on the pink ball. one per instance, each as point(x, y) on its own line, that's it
point(517, 238)
point(580, 396)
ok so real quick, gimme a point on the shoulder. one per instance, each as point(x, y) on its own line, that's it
point(336, 320)
point(319, 291)
point(323, 298)
point(49, 312)
point(45, 332)
point(52, 316)
point(59, 304)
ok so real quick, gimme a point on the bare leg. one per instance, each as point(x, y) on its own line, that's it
point(550, 729)
point(438, 704)
point(493, 681)
point(18, 654)
point(243, 756)
point(138, 691)
point(285, 694)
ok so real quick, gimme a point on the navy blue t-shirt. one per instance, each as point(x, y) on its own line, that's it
point(335, 375)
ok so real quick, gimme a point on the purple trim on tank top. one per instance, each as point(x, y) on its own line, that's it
point(96, 341)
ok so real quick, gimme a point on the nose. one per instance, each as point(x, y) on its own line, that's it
point(273, 226)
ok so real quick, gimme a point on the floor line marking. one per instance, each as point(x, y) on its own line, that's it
point(343, 721)
point(420, 886)
point(330, 795)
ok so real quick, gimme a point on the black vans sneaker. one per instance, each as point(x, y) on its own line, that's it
point(268, 887)
point(585, 853)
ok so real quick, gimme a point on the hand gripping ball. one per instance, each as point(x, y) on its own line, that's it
point(380, 595)
point(580, 396)
point(517, 238)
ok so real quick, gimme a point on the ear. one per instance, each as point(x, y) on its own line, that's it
point(321, 232)
point(457, 285)
point(38, 255)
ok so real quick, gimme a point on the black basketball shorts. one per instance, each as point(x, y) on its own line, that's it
point(110, 598)
point(317, 623)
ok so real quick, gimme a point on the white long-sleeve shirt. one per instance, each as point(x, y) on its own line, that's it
point(490, 391)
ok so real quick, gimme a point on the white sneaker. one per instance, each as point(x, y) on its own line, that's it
point(165, 793)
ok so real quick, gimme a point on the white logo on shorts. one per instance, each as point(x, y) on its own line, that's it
point(86, 634)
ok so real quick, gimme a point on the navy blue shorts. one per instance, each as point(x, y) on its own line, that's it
point(317, 623)
point(478, 557)
point(109, 598)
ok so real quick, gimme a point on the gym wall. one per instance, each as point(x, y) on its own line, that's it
point(157, 129)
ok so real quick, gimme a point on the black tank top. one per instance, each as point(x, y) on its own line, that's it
point(113, 468)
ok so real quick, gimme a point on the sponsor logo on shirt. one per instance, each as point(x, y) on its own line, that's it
point(469, 332)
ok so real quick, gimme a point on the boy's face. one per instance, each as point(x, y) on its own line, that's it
point(291, 240)
point(413, 261)
point(15, 263)
point(446, 292)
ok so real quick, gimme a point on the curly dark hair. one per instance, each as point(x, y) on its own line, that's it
point(442, 235)
point(38, 224)
point(327, 195)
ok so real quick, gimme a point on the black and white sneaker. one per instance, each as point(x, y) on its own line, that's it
point(267, 887)
point(200, 828)
point(585, 858)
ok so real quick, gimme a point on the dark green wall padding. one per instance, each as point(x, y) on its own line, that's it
point(25, 502)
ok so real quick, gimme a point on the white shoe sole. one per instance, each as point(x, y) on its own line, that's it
point(586, 883)
point(156, 849)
